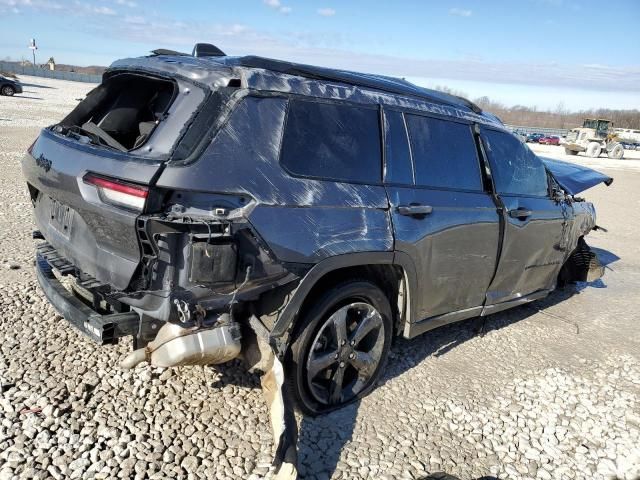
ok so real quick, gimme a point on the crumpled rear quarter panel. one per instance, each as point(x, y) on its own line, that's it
point(302, 220)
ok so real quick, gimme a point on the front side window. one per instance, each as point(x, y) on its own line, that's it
point(514, 167)
point(444, 153)
point(333, 141)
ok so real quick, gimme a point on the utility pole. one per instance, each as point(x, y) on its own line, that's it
point(33, 47)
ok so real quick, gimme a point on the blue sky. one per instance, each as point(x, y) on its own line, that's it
point(528, 52)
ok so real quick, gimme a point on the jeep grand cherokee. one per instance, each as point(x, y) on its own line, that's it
point(299, 216)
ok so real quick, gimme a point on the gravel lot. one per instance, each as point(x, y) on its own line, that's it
point(551, 391)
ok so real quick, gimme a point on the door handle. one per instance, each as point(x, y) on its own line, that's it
point(520, 213)
point(415, 210)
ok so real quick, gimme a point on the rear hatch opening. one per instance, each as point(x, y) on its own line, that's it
point(122, 112)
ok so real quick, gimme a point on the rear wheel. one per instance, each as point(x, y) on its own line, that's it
point(616, 152)
point(8, 91)
point(340, 347)
point(570, 152)
point(594, 150)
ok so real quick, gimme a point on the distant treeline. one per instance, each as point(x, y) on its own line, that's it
point(560, 117)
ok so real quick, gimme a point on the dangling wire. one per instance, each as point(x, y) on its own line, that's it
point(206, 250)
point(235, 292)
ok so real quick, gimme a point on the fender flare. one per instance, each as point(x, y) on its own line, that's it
point(287, 317)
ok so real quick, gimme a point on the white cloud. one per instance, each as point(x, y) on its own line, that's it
point(15, 5)
point(127, 3)
point(326, 12)
point(102, 10)
point(74, 8)
point(135, 20)
point(460, 12)
point(277, 5)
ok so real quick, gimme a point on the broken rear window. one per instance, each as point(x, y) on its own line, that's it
point(123, 111)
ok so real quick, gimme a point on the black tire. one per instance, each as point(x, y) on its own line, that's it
point(310, 332)
point(594, 149)
point(8, 91)
point(617, 152)
point(570, 152)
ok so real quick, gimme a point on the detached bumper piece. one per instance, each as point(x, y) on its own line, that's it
point(103, 329)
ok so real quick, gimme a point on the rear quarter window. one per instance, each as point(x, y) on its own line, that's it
point(332, 141)
point(444, 153)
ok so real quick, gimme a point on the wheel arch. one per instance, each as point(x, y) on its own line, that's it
point(393, 272)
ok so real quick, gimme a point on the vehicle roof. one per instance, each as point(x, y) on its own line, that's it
point(377, 82)
point(268, 74)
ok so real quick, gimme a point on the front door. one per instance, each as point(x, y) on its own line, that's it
point(533, 249)
point(442, 217)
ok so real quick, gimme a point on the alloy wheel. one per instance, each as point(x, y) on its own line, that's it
point(345, 354)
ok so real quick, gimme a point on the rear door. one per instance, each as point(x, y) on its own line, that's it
point(98, 238)
point(532, 251)
point(80, 187)
point(442, 217)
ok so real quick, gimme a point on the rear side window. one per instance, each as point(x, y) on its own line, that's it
point(444, 153)
point(336, 141)
point(515, 169)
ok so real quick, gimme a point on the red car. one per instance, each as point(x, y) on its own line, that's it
point(549, 140)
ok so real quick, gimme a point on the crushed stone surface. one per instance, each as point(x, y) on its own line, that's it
point(551, 391)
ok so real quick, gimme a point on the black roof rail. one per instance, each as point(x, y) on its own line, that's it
point(164, 51)
point(373, 81)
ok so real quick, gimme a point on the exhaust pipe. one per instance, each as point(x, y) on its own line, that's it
point(176, 345)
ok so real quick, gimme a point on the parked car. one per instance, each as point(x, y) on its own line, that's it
point(520, 135)
point(9, 87)
point(549, 140)
point(533, 137)
point(295, 215)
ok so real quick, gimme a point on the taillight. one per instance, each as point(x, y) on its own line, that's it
point(118, 192)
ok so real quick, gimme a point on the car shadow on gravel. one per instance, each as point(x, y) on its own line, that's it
point(321, 439)
point(26, 96)
point(446, 476)
point(605, 256)
point(406, 354)
point(35, 85)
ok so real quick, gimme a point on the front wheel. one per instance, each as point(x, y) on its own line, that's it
point(340, 347)
point(8, 91)
point(616, 152)
point(570, 152)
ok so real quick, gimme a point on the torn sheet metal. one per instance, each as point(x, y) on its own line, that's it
point(575, 178)
point(283, 423)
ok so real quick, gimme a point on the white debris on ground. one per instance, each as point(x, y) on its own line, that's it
point(551, 391)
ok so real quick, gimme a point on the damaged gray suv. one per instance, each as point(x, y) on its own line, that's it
point(213, 207)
